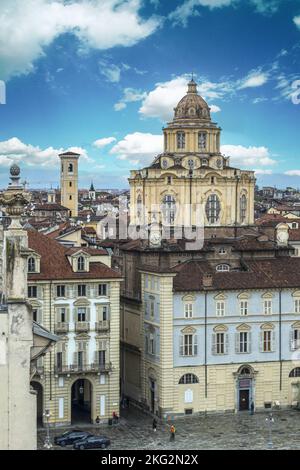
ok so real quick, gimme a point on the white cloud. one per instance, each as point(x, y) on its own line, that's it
point(130, 95)
point(190, 8)
point(292, 173)
point(248, 156)
point(263, 172)
point(111, 72)
point(297, 21)
point(100, 143)
point(27, 28)
point(14, 150)
point(254, 79)
point(160, 102)
point(138, 148)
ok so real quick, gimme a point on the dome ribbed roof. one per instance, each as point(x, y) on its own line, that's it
point(192, 105)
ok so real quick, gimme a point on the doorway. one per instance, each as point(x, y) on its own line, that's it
point(39, 402)
point(244, 400)
point(81, 401)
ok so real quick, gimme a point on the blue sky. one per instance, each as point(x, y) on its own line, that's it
point(102, 77)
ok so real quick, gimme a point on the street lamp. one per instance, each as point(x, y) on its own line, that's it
point(270, 422)
point(47, 443)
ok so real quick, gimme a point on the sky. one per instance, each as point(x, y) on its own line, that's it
point(101, 77)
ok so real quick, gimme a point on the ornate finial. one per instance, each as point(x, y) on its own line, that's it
point(14, 199)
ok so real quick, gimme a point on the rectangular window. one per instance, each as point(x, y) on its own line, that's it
point(295, 340)
point(35, 314)
point(59, 360)
point(297, 305)
point(188, 310)
point(244, 307)
point(102, 289)
point(220, 308)
point(267, 341)
point(268, 307)
point(81, 290)
point(60, 291)
point(32, 292)
point(101, 357)
point(243, 342)
point(220, 343)
point(81, 314)
point(152, 308)
point(202, 140)
point(62, 315)
point(180, 140)
point(151, 344)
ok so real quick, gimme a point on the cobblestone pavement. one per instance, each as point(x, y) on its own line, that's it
point(227, 431)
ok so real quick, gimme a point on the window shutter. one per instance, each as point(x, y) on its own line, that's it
point(146, 344)
point(291, 340)
point(69, 291)
point(226, 346)
point(181, 345)
point(40, 292)
point(57, 315)
point(273, 341)
point(237, 343)
point(88, 314)
point(195, 340)
point(67, 314)
point(75, 314)
point(214, 344)
point(261, 342)
point(249, 342)
point(88, 290)
point(75, 358)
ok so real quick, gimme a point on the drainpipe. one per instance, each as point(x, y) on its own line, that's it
point(50, 307)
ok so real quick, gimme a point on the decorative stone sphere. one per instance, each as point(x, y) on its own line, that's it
point(14, 170)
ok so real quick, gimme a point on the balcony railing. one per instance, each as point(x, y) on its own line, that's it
point(81, 326)
point(102, 325)
point(61, 327)
point(83, 368)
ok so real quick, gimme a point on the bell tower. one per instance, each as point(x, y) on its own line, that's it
point(69, 181)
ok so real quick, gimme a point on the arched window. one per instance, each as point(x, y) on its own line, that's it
point(189, 379)
point(169, 209)
point(70, 168)
point(243, 208)
point(204, 162)
point(295, 372)
point(202, 140)
point(31, 265)
point(180, 140)
point(81, 263)
point(213, 209)
point(222, 268)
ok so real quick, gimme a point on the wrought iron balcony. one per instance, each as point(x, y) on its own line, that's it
point(81, 326)
point(83, 368)
point(61, 327)
point(102, 325)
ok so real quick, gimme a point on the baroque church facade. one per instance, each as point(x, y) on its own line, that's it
point(192, 183)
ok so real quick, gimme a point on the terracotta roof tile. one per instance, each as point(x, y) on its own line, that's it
point(55, 264)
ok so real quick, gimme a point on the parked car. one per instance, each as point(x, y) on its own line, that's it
point(69, 437)
point(92, 442)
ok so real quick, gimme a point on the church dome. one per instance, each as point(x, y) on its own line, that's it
point(192, 105)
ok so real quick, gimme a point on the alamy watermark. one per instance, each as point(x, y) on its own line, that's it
point(295, 95)
point(2, 92)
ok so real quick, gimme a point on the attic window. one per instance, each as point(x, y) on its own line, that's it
point(31, 265)
point(222, 268)
point(81, 263)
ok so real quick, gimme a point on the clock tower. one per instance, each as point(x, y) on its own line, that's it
point(69, 181)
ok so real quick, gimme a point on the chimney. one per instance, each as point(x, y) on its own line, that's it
point(207, 280)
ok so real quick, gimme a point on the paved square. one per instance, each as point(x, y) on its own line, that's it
point(228, 431)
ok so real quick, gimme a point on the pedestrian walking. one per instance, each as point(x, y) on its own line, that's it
point(115, 418)
point(98, 420)
point(252, 408)
point(172, 433)
point(154, 425)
